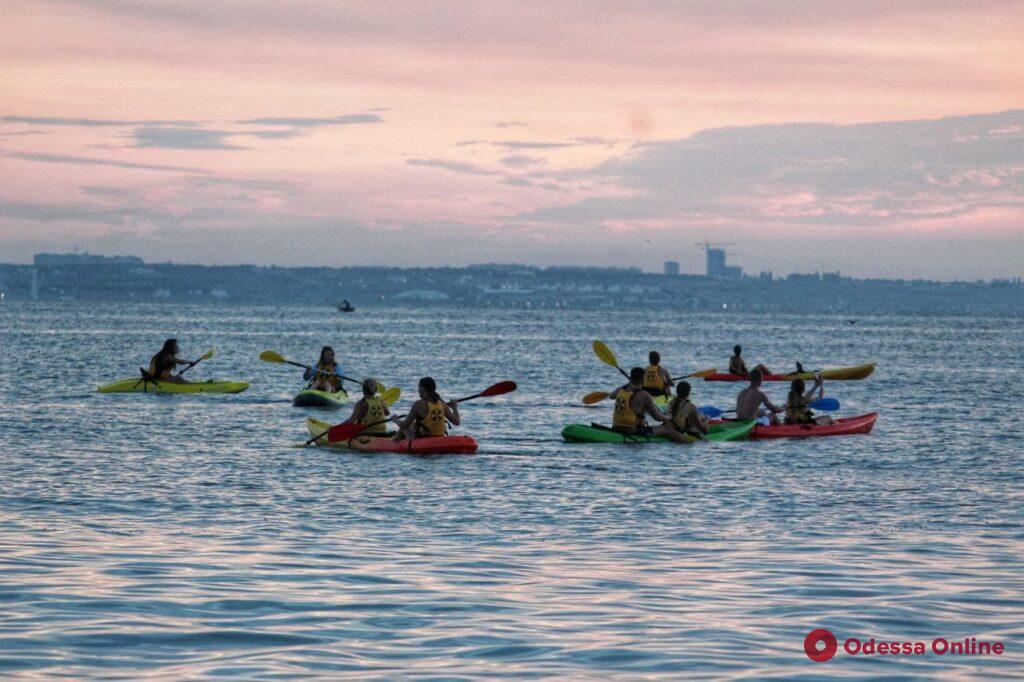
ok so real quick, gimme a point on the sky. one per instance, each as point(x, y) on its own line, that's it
point(878, 139)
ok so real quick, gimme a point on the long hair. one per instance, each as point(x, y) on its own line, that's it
point(160, 360)
point(796, 392)
point(682, 393)
point(430, 386)
point(323, 353)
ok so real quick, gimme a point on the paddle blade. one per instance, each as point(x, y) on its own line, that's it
point(605, 354)
point(711, 412)
point(344, 432)
point(703, 373)
point(826, 404)
point(209, 354)
point(595, 397)
point(271, 356)
point(500, 388)
point(391, 395)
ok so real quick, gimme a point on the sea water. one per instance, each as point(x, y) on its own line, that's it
point(182, 536)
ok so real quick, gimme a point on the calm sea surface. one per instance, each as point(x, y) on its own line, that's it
point(166, 537)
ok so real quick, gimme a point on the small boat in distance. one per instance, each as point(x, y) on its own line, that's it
point(346, 307)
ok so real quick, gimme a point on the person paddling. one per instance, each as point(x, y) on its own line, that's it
point(657, 380)
point(798, 402)
point(370, 411)
point(428, 416)
point(324, 376)
point(751, 398)
point(161, 364)
point(738, 366)
point(633, 404)
point(686, 418)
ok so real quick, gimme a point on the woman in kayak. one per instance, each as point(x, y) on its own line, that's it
point(633, 404)
point(370, 411)
point(325, 376)
point(167, 359)
point(798, 409)
point(429, 416)
point(738, 366)
point(657, 380)
point(686, 418)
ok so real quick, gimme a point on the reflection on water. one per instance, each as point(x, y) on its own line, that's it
point(181, 536)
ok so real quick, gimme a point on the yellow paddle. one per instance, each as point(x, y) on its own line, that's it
point(274, 356)
point(391, 395)
point(605, 355)
point(209, 354)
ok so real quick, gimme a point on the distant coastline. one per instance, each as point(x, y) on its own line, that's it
point(82, 277)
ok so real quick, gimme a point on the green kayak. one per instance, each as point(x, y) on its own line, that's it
point(137, 385)
point(595, 433)
point(310, 398)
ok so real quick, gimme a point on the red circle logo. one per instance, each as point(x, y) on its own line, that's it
point(818, 653)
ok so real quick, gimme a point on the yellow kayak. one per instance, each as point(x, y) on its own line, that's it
point(137, 385)
point(838, 374)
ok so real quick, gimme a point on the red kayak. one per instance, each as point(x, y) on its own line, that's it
point(440, 445)
point(843, 427)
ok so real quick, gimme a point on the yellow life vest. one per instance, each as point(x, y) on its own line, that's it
point(434, 424)
point(374, 413)
point(653, 378)
point(330, 378)
point(624, 417)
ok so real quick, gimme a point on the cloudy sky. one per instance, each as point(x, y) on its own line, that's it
point(876, 138)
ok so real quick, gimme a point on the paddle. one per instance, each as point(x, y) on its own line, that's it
point(598, 396)
point(823, 404)
point(274, 356)
point(208, 355)
point(340, 432)
point(391, 395)
point(605, 355)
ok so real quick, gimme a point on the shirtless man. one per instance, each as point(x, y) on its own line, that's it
point(633, 404)
point(750, 400)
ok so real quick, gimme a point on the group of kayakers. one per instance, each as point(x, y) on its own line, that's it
point(681, 421)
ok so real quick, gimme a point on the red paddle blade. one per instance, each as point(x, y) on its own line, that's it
point(344, 432)
point(500, 388)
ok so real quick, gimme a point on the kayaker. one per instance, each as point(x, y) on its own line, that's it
point(428, 416)
point(686, 418)
point(324, 376)
point(738, 366)
point(798, 402)
point(167, 359)
point(633, 404)
point(751, 398)
point(657, 380)
point(370, 410)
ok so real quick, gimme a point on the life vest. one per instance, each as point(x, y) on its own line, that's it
point(624, 417)
point(374, 414)
point(678, 414)
point(434, 424)
point(797, 412)
point(653, 378)
point(158, 369)
point(330, 378)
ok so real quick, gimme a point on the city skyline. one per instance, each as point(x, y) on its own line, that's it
point(879, 142)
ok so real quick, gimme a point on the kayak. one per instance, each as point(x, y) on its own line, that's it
point(310, 398)
point(843, 427)
point(596, 433)
point(435, 445)
point(837, 374)
point(137, 385)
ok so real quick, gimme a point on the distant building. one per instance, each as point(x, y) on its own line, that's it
point(717, 267)
point(42, 260)
point(672, 268)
